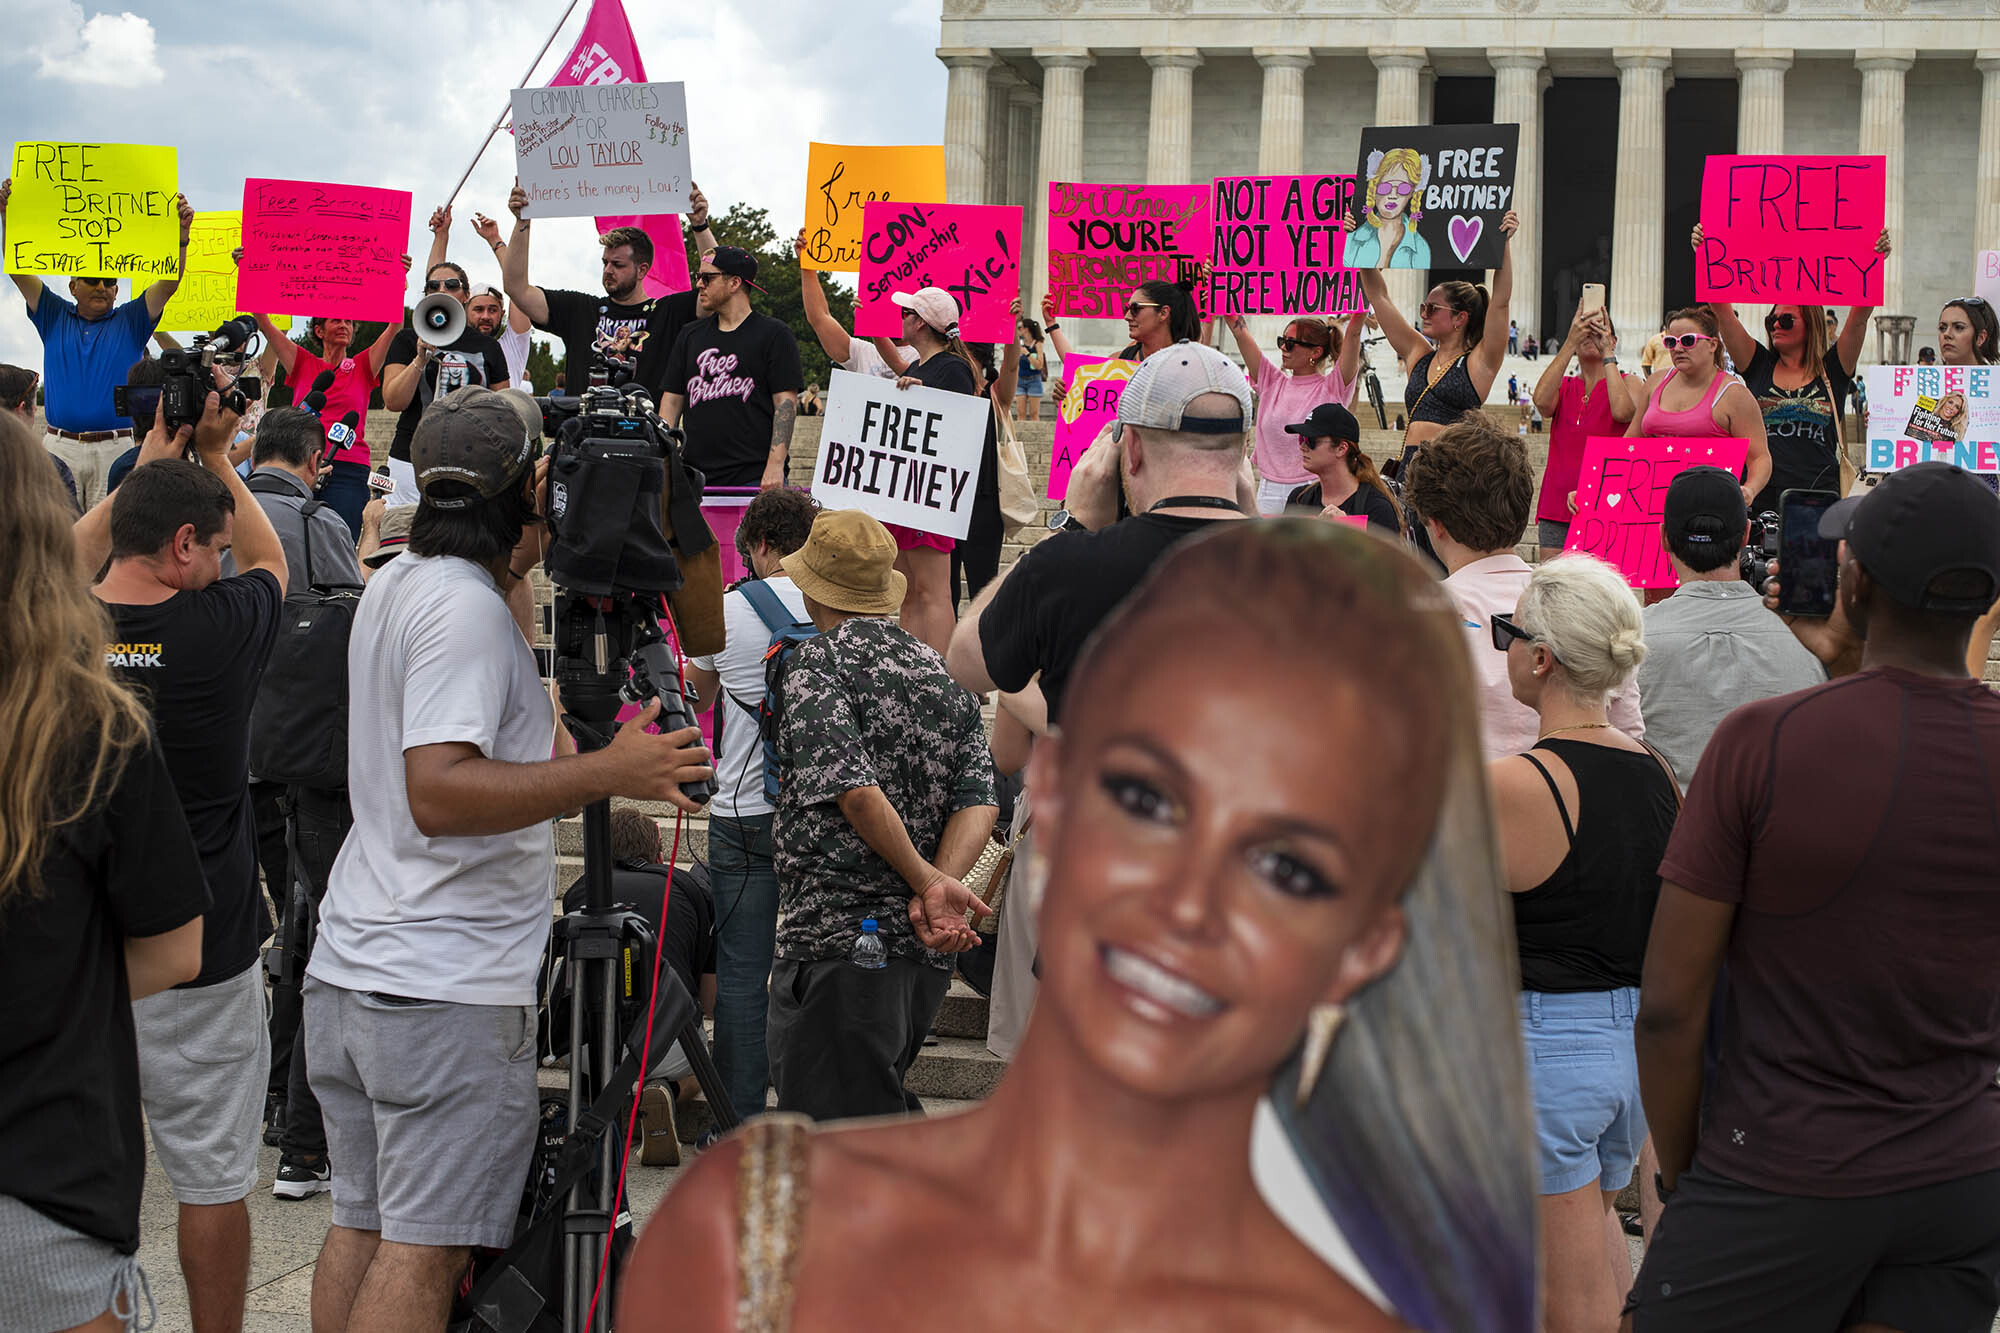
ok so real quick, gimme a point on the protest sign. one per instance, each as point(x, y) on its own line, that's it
point(1278, 245)
point(94, 210)
point(584, 150)
point(1788, 229)
point(1355, 520)
point(1621, 497)
point(1433, 196)
point(1986, 277)
point(1943, 414)
point(324, 250)
point(207, 294)
point(972, 251)
point(907, 456)
point(842, 180)
point(1104, 240)
point(1088, 405)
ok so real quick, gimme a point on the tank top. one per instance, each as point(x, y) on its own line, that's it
point(1696, 420)
point(1444, 402)
point(1584, 928)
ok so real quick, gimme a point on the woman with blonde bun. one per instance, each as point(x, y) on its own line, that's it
point(1583, 820)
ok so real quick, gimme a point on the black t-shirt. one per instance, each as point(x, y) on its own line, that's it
point(689, 932)
point(587, 324)
point(1062, 589)
point(728, 377)
point(950, 373)
point(1799, 425)
point(1366, 502)
point(473, 359)
point(196, 659)
point(71, 1144)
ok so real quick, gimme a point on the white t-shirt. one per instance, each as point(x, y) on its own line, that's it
point(514, 346)
point(863, 359)
point(739, 770)
point(435, 657)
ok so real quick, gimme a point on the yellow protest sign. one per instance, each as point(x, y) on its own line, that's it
point(840, 179)
point(207, 294)
point(94, 210)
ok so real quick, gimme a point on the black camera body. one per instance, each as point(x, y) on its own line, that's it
point(1759, 550)
point(187, 378)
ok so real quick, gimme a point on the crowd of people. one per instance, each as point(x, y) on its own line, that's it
point(1355, 1001)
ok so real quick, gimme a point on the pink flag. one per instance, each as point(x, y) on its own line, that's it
point(607, 53)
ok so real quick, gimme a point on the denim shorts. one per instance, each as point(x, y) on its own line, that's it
point(1584, 1075)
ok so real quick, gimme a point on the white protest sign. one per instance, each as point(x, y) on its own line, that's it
point(1944, 414)
point(602, 148)
point(1986, 277)
point(906, 456)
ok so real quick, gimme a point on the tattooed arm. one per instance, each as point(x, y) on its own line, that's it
point(784, 415)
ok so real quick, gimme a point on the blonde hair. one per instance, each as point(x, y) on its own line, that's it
point(67, 726)
point(1411, 163)
point(1583, 610)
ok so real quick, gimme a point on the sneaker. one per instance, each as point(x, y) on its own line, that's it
point(659, 1141)
point(274, 1119)
point(297, 1180)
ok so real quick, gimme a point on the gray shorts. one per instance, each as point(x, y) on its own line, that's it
point(204, 1060)
point(430, 1112)
point(52, 1277)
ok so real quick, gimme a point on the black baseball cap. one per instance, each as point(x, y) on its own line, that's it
point(1329, 421)
point(1923, 521)
point(1705, 492)
point(736, 262)
point(481, 439)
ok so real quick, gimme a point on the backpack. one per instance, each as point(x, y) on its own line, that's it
point(786, 635)
point(298, 724)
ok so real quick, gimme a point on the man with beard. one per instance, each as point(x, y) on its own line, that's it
point(624, 322)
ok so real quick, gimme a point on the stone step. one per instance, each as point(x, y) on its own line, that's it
point(960, 1068)
point(963, 1013)
point(694, 839)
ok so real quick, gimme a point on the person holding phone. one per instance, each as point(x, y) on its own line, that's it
point(1596, 400)
point(1696, 397)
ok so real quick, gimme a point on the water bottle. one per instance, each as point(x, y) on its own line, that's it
point(869, 951)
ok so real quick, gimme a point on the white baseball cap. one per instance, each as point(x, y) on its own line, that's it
point(934, 306)
point(1158, 395)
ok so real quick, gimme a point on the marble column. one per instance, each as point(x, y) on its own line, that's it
point(1760, 100)
point(1398, 71)
point(1986, 204)
point(1517, 99)
point(1062, 147)
point(1638, 242)
point(1170, 130)
point(1882, 132)
point(1000, 84)
point(1024, 107)
point(1281, 138)
point(965, 115)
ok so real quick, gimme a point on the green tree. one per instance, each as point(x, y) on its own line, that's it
point(779, 275)
point(543, 367)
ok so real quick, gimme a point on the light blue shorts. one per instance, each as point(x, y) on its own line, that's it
point(1584, 1075)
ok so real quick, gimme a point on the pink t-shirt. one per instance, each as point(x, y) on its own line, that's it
point(1578, 417)
point(1285, 400)
point(353, 381)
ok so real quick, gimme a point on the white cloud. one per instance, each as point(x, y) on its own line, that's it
point(116, 50)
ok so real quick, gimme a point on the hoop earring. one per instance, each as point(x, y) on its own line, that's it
point(1321, 1027)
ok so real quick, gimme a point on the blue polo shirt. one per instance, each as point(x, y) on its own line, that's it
point(83, 360)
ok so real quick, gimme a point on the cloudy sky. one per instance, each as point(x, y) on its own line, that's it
point(397, 93)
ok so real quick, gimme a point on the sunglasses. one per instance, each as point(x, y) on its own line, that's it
point(1132, 310)
point(1428, 308)
point(445, 285)
point(1293, 344)
point(703, 276)
point(1779, 322)
point(1401, 189)
point(1505, 632)
point(1685, 340)
point(1979, 301)
point(98, 282)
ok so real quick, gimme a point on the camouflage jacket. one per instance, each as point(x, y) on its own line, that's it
point(867, 705)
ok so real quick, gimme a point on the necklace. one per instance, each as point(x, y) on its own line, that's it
point(1580, 726)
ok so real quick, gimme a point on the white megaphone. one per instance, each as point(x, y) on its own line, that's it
point(439, 319)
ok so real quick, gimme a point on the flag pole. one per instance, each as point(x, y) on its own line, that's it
point(502, 117)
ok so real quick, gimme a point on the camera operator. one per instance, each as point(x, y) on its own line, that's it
point(1711, 646)
point(419, 1000)
point(419, 374)
point(81, 363)
point(1836, 1161)
point(193, 643)
point(733, 381)
point(624, 321)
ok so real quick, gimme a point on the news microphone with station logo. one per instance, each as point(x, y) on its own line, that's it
point(341, 433)
point(315, 399)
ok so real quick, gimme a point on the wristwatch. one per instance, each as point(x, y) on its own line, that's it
point(1051, 328)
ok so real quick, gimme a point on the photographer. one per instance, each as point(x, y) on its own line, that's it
point(192, 644)
point(1711, 646)
point(419, 1000)
point(419, 373)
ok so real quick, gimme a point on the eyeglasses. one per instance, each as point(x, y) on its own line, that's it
point(98, 282)
point(703, 276)
point(1293, 344)
point(1685, 340)
point(1132, 310)
point(445, 285)
point(1505, 632)
point(1401, 189)
point(1779, 322)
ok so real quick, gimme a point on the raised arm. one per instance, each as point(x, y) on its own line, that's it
point(1744, 418)
point(274, 337)
point(1246, 343)
point(1002, 391)
point(1408, 345)
point(1548, 389)
point(254, 542)
point(514, 263)
point(1493, 339)
point(1057, 338)
point(1350, 347)
point(92, 532)
point(833, 339)
point(1854, 333)
point(31, 286)
point(1738, 341)
point(158, 294)
point(1618, 391)
point(440, 225)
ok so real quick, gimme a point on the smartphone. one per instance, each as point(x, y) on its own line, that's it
point(1808, 564)
point(1593, 299)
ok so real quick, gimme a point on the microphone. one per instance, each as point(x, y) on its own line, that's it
point(341, 433)
point(232, 334)
point(315, 399)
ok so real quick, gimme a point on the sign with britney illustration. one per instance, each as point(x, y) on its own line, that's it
point(1432, 196)
point(1942, 414)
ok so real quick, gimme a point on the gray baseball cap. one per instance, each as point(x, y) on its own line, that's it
point(1159, 392)
point(477, 438)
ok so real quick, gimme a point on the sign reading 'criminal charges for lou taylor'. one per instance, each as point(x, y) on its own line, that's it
point(94, 210)
point(603, 148)
point(907, 456)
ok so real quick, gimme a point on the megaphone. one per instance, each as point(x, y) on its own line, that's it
point(439, 319)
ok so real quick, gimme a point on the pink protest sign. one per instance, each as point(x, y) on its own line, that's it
point(1278, 242)
point(1089, 404)
point(1791, 230)
point(318, 249)
point(1621, 498)
point(1104, 240)
point(1355, 520)
point(972, 251)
